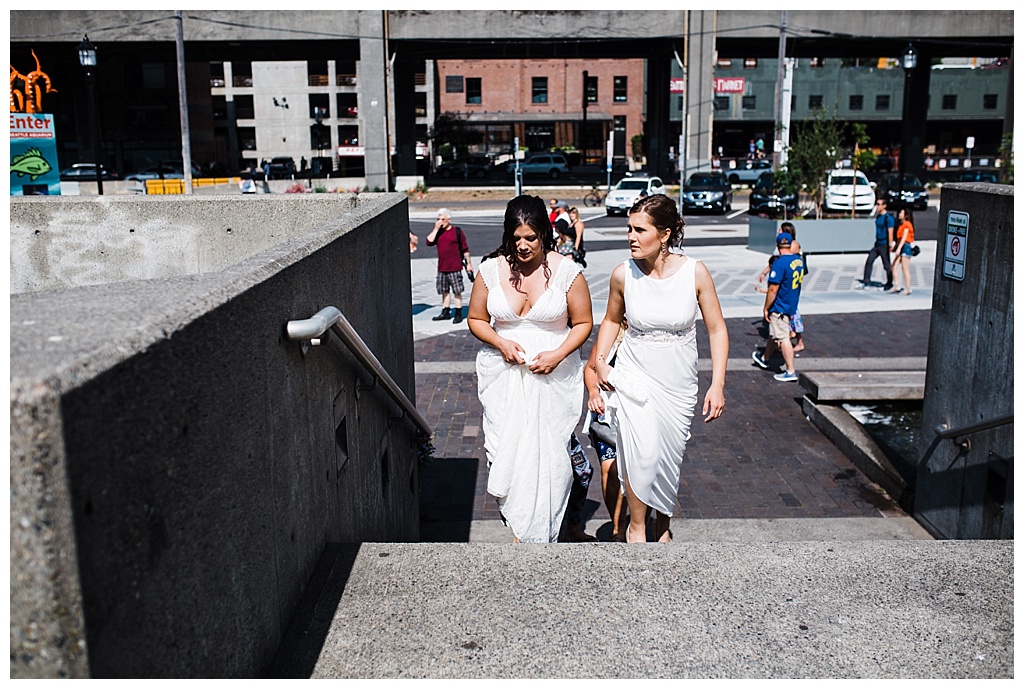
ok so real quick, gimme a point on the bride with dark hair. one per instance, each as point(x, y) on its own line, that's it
point(532, 312)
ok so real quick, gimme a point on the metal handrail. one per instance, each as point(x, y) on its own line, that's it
point(330, 318)
point(957, 435)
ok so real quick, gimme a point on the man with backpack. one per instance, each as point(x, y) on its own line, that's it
point(452, 255)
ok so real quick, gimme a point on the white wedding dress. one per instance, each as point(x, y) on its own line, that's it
point(655, 381)
point(529, 418)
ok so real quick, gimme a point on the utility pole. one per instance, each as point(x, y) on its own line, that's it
point(186, 144)
point(780, 91)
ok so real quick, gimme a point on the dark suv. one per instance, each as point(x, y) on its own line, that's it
point(469, 166)
point(914, 193)
point(282, 168)
point(766, 198)
point(707, 191)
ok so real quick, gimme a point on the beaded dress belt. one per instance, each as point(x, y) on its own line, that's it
point(681, 336)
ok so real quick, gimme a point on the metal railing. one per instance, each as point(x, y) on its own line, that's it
point(958, 434)
point(330, 318)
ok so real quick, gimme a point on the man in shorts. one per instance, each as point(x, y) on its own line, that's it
point(452, 249)
point(780, 305)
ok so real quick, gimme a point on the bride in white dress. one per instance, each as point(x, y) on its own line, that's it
point(652, 389)
point(531, 308)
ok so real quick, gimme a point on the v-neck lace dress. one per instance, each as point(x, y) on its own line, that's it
point(528, 418)
point(655, 380)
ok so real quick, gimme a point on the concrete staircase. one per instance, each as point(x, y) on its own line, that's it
point(770, 609)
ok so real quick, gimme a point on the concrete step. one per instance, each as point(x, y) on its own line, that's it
point(828, 609)
point(844, 386)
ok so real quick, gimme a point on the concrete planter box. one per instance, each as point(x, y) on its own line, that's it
point(845, 235)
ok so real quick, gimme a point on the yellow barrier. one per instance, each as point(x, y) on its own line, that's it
point(177, 186)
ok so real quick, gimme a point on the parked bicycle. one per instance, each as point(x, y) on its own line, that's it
point(594, 197)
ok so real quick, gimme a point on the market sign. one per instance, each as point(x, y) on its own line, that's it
point(730, 85)
point(721, 84)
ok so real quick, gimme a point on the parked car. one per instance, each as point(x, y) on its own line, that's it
point(914, 193)
point(85, 172)
point(162, 170)
point(978, 177)
point(475, 166)
point(282, 167)
point(749, 173)
point(628, 189)
point(707, 191)
point(846, 190)
point(554, 165)
point(765, 198)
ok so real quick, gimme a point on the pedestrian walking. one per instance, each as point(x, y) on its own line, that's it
point(884, 226)
point(903, 251)
point(780, 303)
point(452, 255)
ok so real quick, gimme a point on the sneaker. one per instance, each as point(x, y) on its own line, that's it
point(862, 285)
point(786, 377)
point(758, 359)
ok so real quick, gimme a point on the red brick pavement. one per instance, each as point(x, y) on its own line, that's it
point(762, 460)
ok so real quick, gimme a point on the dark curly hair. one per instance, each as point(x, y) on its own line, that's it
point(664, 215)
point(530, 211)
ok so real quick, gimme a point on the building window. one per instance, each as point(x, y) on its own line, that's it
point(817, 62)
point(348, 135)
point(590, 88)
point(621, 89)
point(474, 91)
point(453, 84)
point(319, 104)
point(990, 101)
point(679, 103)
point(540, 89)
point(721, 103)
point(348, 105)
point(856, 102)
point(814, 102)
point(247, 138)
point(724, 63)
point(619, 123)
point(216, 74)
point(882, 101)
point(750, 63)
point(245, 109)
point(949, 101)
point(750, 102)
point(241, 73)
point(421, 103)
point(153, 75)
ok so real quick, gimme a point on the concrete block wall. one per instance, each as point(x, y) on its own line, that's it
point(968, 492)
point(175, 470)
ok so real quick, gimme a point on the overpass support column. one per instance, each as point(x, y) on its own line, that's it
point(657, 140)
point(700, 71)
point(404, 109)
point(373, 106)
point(919, 86)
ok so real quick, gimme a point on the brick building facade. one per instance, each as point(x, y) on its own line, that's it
point(541, 102)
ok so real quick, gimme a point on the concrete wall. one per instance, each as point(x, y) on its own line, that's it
point(968, 493)
point(175, 470)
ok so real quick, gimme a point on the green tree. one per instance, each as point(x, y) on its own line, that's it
point(450, 130)
point(863, 158)
point(814, 149)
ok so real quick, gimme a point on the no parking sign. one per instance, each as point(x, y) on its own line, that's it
point(956, 245)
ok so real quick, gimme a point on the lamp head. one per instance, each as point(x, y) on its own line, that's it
point(909, 58)
point(87, 52)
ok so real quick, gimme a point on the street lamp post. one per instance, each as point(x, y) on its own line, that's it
point(583, 130)
point(87, 57)
point(909, 62)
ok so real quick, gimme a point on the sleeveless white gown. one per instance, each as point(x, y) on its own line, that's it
point(529, 418)
point(655, 380)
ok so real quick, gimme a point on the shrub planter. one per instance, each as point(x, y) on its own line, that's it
point(836, 236)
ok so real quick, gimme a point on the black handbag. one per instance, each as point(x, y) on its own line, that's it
point(915, 250)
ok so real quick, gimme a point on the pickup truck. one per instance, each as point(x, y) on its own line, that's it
point(749, 172)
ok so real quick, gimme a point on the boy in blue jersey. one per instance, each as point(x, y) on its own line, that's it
point(780, 304)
